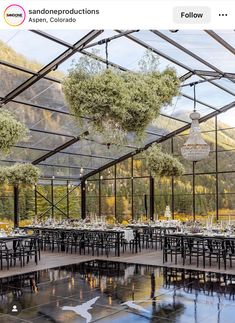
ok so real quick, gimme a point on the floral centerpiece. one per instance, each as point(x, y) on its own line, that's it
point(193, 226)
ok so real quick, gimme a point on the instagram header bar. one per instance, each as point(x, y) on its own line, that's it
point(113, 14)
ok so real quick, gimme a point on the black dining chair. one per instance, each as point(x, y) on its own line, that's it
point(215, 249)
point(194, 247)
point(6, 255)
point(31, 249)
point(173, 246)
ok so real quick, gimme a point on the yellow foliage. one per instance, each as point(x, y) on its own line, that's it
point(110, 219)
point(137, 164)
point(4, 223)
point(25, 223)
point(143, 218)
point(10, 55)
point(110, 201)
point(124, 222)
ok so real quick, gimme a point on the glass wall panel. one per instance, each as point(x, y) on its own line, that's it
point(108, 172)
point(26, 204)
point(160, 203)
point(183, 185)
point(207, 165)
point(6, 205)
point(124, 200)
point(75, 202)
point(141, 198)
point(60, 202)
point(205, 184)
point(227, 207)
point(140, 168)
point(92, 198)
point(205, 206)
point(162, 195)
point(44, 201)
point(183, 206)
point(226, 161)
point(226, 183)
point(107, 198)
point(226, 139)
point(124, 168)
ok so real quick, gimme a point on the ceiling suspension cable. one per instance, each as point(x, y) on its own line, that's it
point(106, 54)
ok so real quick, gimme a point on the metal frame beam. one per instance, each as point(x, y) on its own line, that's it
point(52, 133)
point(52, 65)
point(188, 52)
point(168, 136)
point(57, 202)
point(86, 42)
point(67, 166)
point(174, 61)
point(26, 70)
point(65, 152)
point(46, 164)
point(221, 41)
point(50, 202)
point(59, 148)
point(215, 74)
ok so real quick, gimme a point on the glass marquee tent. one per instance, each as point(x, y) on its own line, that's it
point(114, 180)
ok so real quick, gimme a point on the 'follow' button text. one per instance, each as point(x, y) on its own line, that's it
point(191, 15)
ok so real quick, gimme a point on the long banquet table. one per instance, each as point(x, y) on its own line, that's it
point(119, 234)
point(18, 238)
point(208, 244)
point(16, 245)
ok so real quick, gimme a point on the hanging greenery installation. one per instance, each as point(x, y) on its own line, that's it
point(11, 131)
point(116, 100)
point(162, 164)
point(26, 174)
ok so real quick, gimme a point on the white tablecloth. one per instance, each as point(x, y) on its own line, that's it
point(128, 235)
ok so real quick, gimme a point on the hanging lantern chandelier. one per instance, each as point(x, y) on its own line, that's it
point(195, 148)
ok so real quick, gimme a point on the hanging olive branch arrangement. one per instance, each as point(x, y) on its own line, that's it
point(162, 164)
point(11, 132)
point(26, 174)
point(117, 101)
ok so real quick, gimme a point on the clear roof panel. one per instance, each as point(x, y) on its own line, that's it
point(8, 86)
point(46, 93)
point(227, 35)
point(75, 161)
point(204, 46)
point(210, 94)
point(226, 119)
point(51, 129)
point(44, 120)
point(182, 109)
point(22, 154)
point(165, 47)
point(29, 48)
point(68, 36)
point(127, 53)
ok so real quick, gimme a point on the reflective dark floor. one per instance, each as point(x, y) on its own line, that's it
point(150, 294)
